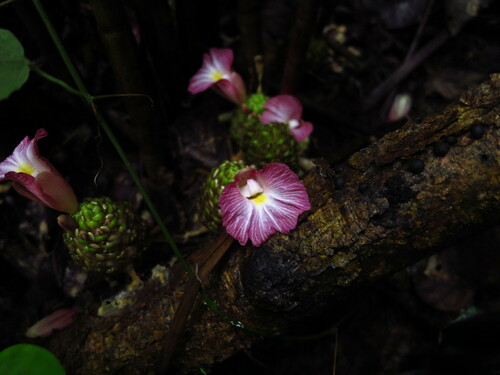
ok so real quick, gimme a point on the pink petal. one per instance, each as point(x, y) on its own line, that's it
point(60, 194)
point(283, 185)
point(233, 90)
point(200, 82)
point(47, 188)
point(25, 185)
point(263, 226)
point(237, 212)
point(219, 60)
point(303, 131)
point(239, 87)
point(281, 108)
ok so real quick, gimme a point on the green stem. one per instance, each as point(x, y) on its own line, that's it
point(89, 99)
point(64, 85)
point(62, 51)
point(142, 190)
point(53, 79)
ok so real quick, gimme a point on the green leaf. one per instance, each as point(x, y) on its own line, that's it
point(27, 359)
point(14, 70)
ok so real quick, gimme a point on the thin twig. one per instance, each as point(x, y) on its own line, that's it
point(420, 30)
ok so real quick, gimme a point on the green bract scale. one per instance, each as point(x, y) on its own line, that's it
point(261, 143)
point(255, 103)
point(108, 235)
point(270, 143)
point(211, 189)
point(247, 117)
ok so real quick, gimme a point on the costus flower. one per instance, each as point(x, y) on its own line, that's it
point(35, 178)
point(258, 204)
point(287, 109)
point(217, 73)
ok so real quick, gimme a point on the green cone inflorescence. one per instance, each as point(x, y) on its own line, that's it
point(108, 235)
point(247, 117)
point(270, 143)
point(211, 189)
point(261, 143)
point(255, 103)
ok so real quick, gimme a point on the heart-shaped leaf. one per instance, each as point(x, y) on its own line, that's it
point(14, 70)
point(27, 359)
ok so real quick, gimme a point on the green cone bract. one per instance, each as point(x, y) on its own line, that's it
point(108, 236)
point(208, 199)
point(261, 143)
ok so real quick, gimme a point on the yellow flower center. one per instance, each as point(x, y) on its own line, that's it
point(216, 75)
point(259, 199)
point(26, 168)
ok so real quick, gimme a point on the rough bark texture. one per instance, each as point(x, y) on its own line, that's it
point(384, 218)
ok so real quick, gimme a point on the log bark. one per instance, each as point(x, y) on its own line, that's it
point(388, 215)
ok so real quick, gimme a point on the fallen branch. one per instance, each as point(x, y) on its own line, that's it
point(402, 198)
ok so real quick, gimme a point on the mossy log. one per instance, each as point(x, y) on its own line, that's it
point(391, 212)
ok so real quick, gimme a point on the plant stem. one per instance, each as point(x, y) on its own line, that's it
point(51, 78)
point(142, 190)
point(62, 51)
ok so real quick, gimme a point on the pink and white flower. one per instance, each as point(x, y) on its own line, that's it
point(287, 109)
point(217, 73)
point(258, 204)
point(35, 178)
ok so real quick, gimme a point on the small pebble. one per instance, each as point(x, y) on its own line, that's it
point(416, 166)
point(339, 182)
point(477, 131)
point(440, 148)
point(363, 187)
point(451, 140)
